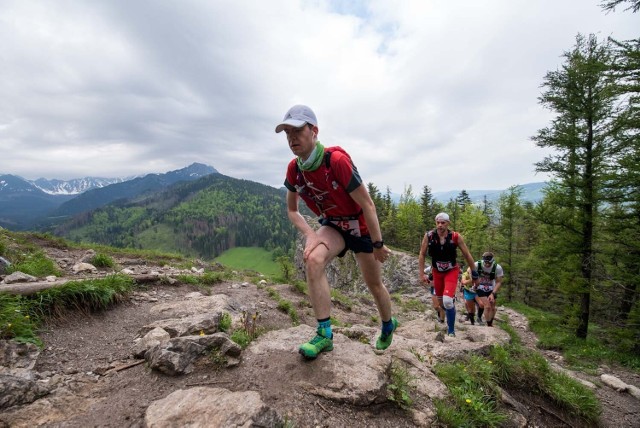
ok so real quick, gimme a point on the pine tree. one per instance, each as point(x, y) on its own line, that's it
point(581, 94)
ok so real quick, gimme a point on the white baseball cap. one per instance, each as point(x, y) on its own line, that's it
point(297, 116)
point(442, 217)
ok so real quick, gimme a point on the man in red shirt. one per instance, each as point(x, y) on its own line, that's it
point(329, 183)
point(441, 244)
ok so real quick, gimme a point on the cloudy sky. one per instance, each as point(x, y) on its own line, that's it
point(420, 92)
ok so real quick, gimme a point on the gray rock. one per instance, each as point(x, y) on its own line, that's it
point(211, 407)
point(16, 390)
point(84, 267)
point(4, 264)
point(176, 356)
point(19, 277)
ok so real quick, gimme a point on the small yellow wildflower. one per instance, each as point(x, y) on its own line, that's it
point(26, 316)
point(201, 332)
point(490, 362)
point(468, 401)
point(9, 324)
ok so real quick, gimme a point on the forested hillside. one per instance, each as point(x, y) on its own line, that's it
point(201, 218)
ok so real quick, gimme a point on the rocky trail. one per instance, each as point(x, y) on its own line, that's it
point(148, 361)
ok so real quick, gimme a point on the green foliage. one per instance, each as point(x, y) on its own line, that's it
point(225, 322)
point(401, 386)
point(409, 225)
point(342, 299)
point(188, 279)
point(604, 346)
point(474, 385)
point(86, 296)
point(35, 264)
point(102, 260)
point(212, 278)
point(414, 305)
point(287, 269)
point(284, 305)
point(217, 358)
point(16, 321)
point(241, 337)
point(300, 287)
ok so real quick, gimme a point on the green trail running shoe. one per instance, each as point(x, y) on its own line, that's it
point(315, 346)
point(384, 340)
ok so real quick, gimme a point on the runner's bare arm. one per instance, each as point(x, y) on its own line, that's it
point(497, 286)
point(362, 198)
point(467, 254)
point(421, 256)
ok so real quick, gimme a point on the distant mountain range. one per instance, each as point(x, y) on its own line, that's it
point(24, 204)
point(74, 186)
point(42, 204)
point(531, 192)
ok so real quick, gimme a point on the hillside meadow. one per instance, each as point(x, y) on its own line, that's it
point(251, 258)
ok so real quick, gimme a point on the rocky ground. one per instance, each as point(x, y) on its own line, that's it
point(91, 377)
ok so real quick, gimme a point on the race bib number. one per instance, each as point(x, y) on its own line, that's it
point(444, 266)
point(351, 227)
point(485, 287)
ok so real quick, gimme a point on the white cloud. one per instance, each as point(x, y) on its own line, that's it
point(419, 92)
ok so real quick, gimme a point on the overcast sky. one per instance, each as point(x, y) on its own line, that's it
point(425, 92)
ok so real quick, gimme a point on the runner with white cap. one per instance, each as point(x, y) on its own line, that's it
point(441, 244)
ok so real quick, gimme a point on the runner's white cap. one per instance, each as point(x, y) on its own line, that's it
point(442, 217)
point(297, 116)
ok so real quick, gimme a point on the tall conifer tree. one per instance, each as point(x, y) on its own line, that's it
point(581, 94)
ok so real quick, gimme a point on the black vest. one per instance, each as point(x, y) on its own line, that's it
point(441, 252)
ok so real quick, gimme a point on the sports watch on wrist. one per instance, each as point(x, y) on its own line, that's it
point(378, 244)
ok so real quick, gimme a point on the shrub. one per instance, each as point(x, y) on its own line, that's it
point(225, 322)
point(102, 261)
point(401, 386)
point(36, 264)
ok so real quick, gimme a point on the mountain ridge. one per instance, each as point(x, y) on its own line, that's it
point(25, 203)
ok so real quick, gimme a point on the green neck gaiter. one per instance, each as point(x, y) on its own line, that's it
point(314, 161)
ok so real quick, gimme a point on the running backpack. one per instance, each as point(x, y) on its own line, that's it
point(492, 275)
point(434, 241)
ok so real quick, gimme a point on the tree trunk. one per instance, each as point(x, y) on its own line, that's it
point(583, 319)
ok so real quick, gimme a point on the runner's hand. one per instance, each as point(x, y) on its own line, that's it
point(312, 241)
point(381, 254)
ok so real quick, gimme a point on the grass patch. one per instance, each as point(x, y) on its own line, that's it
point(21, 316)
point(401, 386)
point(248, 330)
point(251, 258)
point(224, 324)
point(342, 299)
point(34, 263)
point(475, 382)
point(102, 260)
point(16, 321)
point(601, 346)
point(284, 305)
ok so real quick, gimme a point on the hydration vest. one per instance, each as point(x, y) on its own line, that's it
point(492, 274)
point(442, 252)
point(329, 199)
